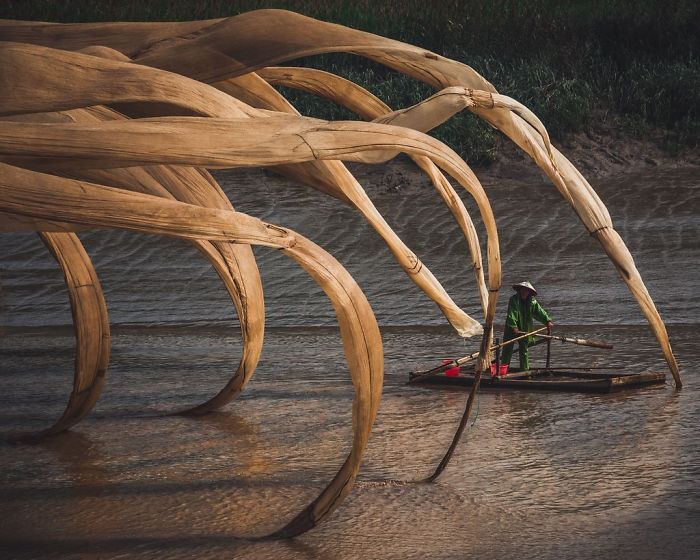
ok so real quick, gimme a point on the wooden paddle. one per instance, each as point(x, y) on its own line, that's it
point(579, 341)
point(465, 359)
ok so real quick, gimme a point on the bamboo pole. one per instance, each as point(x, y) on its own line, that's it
point(579, 341)
point(468, 358)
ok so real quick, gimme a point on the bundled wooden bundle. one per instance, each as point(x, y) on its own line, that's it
point(115, 125)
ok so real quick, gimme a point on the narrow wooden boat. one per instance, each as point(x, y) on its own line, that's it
point(594, 380)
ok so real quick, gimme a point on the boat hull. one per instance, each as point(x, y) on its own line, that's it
point(586, 380)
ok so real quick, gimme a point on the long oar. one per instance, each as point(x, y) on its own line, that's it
point(458, 362)
point(579, 341)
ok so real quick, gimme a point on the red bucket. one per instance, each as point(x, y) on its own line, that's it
point(502, 372)
point(450, 372)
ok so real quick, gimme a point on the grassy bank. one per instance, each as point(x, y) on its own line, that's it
point(631, 63)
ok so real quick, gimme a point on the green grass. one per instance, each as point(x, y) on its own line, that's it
point(567, 61)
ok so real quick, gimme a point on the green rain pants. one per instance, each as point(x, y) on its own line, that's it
point(507, 353)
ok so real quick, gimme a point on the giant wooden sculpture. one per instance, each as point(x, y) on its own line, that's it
point(115, 125)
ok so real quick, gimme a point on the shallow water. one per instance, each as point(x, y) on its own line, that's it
point(538, 475)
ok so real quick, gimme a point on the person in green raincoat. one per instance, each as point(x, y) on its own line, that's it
point(522, 309)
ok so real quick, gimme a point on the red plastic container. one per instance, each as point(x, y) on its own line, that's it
point(450, 372)
point(501, 373)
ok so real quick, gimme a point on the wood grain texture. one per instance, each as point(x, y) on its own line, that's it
point(235, 46)
point(115, 125)
point(358, 327)
point(81, 80)
point(91, 327)
point(365, 104)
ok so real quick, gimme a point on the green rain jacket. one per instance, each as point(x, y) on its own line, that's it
point(521, 314)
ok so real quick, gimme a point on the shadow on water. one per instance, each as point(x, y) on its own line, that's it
point(182, 546)
point(539, 475)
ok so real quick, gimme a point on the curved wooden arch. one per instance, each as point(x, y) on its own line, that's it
point(360, 101)
point(238, 45)
point(41, 195)
point(91, 328)
point(80, 80)
point(236, 142)
point(234, 263)
point(194, 124)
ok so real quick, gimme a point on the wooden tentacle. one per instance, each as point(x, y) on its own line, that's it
point(358, 327)
point(79, 83)
point(365, 104)
point(46, 197)
point(91, 326)
point(592, 212)
point(72, 80)
point(240, 49)
point(266, 141)
point(363, 351)
point(234, 263)
point(126, 37)
point(242, 280)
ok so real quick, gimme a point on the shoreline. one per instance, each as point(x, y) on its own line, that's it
point(598, 154)
point(601, 152)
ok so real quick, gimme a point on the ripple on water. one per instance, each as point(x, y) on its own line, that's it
point(537, 476)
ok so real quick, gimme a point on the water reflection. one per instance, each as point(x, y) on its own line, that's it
point(252, 461)
point(538, 475)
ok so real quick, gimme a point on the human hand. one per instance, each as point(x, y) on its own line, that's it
point(550, 325)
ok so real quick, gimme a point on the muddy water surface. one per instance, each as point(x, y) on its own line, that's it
point(539, 475)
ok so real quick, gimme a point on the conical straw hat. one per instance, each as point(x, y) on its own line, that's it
point(525, 285)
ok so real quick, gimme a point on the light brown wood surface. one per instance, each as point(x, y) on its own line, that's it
point(114, 125)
